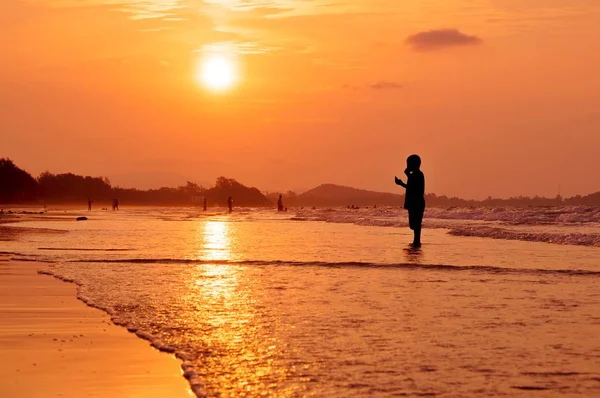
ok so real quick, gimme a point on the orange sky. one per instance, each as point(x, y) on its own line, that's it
point(499, 97)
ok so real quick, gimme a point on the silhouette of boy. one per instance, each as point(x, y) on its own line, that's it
point(414, 200)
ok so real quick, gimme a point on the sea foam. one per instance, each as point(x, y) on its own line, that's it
point(572, 225)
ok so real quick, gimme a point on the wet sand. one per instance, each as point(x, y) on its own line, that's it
point(53, 345)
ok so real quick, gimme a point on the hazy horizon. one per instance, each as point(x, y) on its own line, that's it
point(156, 180)
point(499, 97)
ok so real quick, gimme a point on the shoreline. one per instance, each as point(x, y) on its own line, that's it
point(55, 345)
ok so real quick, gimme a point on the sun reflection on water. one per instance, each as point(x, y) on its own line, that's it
point(239, 351)
point(237, 333)
point(215, 241)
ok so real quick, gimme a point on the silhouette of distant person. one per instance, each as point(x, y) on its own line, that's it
point(90, 201)
point(204, 205)
point(414, 200)
point(117, 204)
point(280, 203)
point(230, 204)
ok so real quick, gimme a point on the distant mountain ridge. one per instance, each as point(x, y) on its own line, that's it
point(339, 195)
point(332, 195)
point(18, 186)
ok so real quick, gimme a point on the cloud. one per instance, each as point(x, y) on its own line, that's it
point(233, 47)
point(380, 85)
point(385, 85)
point(440, 39)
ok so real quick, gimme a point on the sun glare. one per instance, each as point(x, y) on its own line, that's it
point(217, 72)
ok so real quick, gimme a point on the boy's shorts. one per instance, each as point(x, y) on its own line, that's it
point(415, 219)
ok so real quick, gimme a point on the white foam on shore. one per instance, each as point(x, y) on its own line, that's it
point(578, 239)
point(187, 366)
point(552, 225)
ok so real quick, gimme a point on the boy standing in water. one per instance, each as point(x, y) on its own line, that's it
point(414, 200)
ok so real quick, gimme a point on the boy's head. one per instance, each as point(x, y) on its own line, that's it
point(413, 162)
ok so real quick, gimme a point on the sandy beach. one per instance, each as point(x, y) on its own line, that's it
point(53, 345)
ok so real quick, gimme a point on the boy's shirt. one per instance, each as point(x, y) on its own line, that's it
point(415, 191)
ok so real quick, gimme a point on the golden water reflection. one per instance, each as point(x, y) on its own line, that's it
point(239, 354)
point(216, 241)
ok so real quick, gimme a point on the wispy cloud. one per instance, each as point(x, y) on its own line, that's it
point(380, 85)
point(137, 9)
point(386, 85)
point(237, 48)
point(440, 39)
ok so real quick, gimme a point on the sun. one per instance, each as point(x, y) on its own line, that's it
point(217, 72)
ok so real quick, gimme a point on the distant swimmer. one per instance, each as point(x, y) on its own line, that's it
point(230, 204)
point(204, 205)
point(280, 203)
point(90, 201)
point(414, 200)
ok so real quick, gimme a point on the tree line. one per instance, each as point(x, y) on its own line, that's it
point(18, 186)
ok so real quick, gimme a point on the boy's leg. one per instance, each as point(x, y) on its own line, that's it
point(417, 222)
point(417, 238)
point(412, 224)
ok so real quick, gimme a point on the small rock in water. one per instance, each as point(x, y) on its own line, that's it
point(82, 218)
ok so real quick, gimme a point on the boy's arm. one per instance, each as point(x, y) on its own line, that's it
point(400, 182)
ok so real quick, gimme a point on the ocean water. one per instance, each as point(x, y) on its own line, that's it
point(332, 302)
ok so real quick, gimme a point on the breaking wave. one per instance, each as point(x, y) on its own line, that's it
point(573, 225)
point(349, 264)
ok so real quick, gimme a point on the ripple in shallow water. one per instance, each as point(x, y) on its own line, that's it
point(351, 331)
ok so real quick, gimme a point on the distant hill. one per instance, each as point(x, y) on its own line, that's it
point(242, 195)
point(337, 195)
point(331, 195)
point(592, 199)
point(18, 186)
